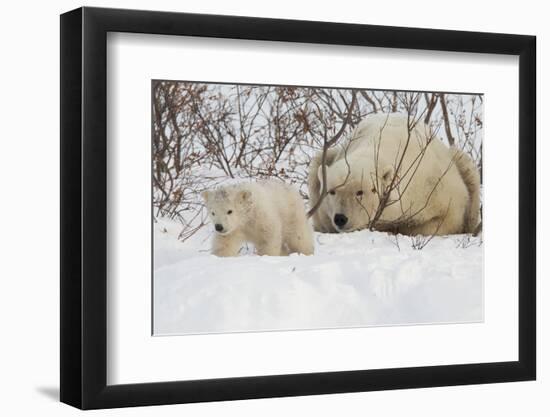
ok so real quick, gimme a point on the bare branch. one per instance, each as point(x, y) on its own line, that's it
point(450, 137)
point(326, 145)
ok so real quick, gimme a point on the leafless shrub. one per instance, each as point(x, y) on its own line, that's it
point(395, 240)
point(466, 241)
point(203, 134)
point(419, 242)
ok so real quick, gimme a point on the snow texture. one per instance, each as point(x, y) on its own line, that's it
point(354, 280)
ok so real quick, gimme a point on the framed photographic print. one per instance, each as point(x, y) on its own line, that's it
point(256, 208)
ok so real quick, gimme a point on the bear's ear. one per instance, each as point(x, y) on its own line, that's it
point(205, 195)
point(244, 195)
point(388, 174)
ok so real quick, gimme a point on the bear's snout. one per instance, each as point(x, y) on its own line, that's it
point(340, 220)
point(218, 227)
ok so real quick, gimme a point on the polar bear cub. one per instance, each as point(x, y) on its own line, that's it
point(269, 214)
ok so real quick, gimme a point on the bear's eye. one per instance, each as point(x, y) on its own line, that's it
point(332, 192)
point(373, 190)
point(230, 211)
point(359, 193)
point(213, 214)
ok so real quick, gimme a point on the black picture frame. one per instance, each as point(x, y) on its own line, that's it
point(84, 207)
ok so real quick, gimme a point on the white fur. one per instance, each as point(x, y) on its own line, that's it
point(438, 195)
point(269, 214)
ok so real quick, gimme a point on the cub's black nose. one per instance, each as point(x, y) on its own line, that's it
point(218, 227)
point(340, 220)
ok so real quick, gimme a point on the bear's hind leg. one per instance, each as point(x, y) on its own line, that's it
point(226, 245)
point(269, 249)
point(285, 251)
point(301, 241)
point(453, 220)
point(270, 244)
point(448, 224)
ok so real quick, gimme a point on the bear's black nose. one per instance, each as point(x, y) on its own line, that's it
point(340, 220)
point(218, 227)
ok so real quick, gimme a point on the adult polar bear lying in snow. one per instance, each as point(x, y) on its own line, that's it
point(269, 214)
point(429, 187)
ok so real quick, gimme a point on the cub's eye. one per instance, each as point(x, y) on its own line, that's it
point(213, 214)
point(373, 190)
point(230, 211)
point(359, 193)
point(332, 192)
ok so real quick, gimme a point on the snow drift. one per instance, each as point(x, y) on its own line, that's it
point(353, 280)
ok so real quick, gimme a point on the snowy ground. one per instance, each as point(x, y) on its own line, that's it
point(354, 279)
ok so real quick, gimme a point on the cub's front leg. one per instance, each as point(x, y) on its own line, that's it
point(227, 245)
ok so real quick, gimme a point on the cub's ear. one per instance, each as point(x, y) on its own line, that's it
point(387, 174)
point(244, 195)
point(205, 195)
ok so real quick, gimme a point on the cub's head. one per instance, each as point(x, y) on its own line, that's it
point(227, 207)
point(354, 192)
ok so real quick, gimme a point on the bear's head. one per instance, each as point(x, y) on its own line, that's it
point(227, 207)
point(354, 188)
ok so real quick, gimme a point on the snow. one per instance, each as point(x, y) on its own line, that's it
point(354, 279)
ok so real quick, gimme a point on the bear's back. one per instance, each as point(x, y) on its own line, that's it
point(387, 135)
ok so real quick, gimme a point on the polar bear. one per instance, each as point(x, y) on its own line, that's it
point(428, 188)
point(269, 214)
